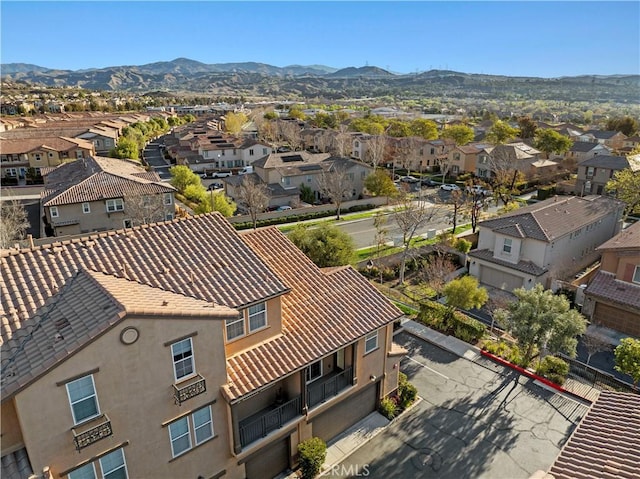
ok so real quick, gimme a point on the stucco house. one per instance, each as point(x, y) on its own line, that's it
point(183, 349)
point(612, 139)
point(584, 150)
point(552, 239)
point(98, 194)
point(517, 155)
point(612, 298)
point(593, 174)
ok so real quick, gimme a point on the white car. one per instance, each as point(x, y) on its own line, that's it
point(220, 174)
point(478, 190)
point(449, 187)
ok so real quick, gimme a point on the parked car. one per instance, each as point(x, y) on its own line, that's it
point(409, 179)
point(221, 174)
point(428, 182)
point(478, 190)
point(449, 187)
point(215, 186)
point(246, 170)
point(283, 208)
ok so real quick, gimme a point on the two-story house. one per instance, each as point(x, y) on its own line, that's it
point(463, 159)
point(584, 150)
point(552, 239)
point(141, 353)
point(593, 174)
point(516, 155)
point(612, 298)
point(611, 139)
point(98, 194)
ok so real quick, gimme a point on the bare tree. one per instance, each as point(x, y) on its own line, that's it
point(336, 184)
point(13, 222)
point(145, 209)
point(503, 165)
point(342, 142)
point(253, 197)
point(292, 134)
point(594, 344)
point(410, 216)
point(457, 200)
point(322, 141)
point(408, 152)
point(376, 148)
point(435, 271)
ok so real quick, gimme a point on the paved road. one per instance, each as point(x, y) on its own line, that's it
point(474, 421)
point(153, 156)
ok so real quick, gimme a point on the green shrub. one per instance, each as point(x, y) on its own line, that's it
point(433, 314)
point(465, 328)
point(312, 452)
point(408, 394)
point(438, 316)
point(388, 408)
point(554, 369)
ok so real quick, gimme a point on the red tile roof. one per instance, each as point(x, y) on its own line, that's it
point(606, 443)
point(628, 238)
point(605, 285)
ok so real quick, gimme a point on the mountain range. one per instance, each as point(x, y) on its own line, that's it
point(314, 81)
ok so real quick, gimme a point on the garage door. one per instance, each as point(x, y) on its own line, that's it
point(499, 279)
point(616, 318)
point(269, 461)
point(346, 413)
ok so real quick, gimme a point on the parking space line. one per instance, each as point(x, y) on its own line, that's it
point(425, 366)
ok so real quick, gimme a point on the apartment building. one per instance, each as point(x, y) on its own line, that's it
point(183, 349)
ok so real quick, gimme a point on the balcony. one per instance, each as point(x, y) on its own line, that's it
point(91, 432)
point(187, 390)
point(262, 423)
point(329, 386)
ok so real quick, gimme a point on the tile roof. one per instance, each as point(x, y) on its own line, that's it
point(324, 311)
point(556, 217)
point(605, 285)
point(86, 306)
point(523, 266)
point(601, 134)
point(292, 158)
point(611, 162)
point(58, 143)
point(627, 238)
point(15, 465)
point(583, 146)
point(605, 443)
point(97, 178)
point(168, 256)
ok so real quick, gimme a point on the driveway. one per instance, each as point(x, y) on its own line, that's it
point(475, 420)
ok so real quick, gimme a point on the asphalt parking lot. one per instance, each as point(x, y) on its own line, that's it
point(475, 420)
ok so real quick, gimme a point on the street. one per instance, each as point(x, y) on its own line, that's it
point(153, 156)
point(475, 420)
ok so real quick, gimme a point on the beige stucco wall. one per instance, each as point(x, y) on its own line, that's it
point(11, 434)
point(273, 328)
point(134, 388)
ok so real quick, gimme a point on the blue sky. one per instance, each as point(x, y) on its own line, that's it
point(536, 38)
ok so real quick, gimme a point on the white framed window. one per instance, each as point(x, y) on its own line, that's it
point(257, 316)
point(371, 342)
point(506, 246)
point(590, 171)
point(190, 431)
point(636, 275)
point(264, 151)
point(313, 371)
point(180, 436)
point(54, 212)
point(88, 471)
point(86, 208)
point(168, 198)
point(83, 399)
point(113, 465)
point(183, 363)
point(116, 204)
point(235, 327)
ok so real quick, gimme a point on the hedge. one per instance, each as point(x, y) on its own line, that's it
point(301, 217)
point(438, 316)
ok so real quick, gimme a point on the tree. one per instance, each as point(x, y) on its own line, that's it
point(291, 133)
point(326, 245)
point(342, 142)
point(436, 269)
point(459, 203)
point(410, 216)
point(626, 186)
point(144, 209)
point(625, 125)
point(336, 184)
point(398, 128)
point(501, 132)
point(506, 175)
point(461, 134)
point(464, 293)
point(376, 148)
point(306, 194)
point(379, 183)
point(13, 222)
point(253, 197)
point(544, 320)
point(217, 201)
point(424, 128)
point(593, 345)
point(550, 141)
point(627, 355)
point(528, 128)
point(322, 141)
point(126, 148)
point(233, 122)
point(182, 176)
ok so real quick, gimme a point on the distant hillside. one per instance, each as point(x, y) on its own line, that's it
point(183, 75)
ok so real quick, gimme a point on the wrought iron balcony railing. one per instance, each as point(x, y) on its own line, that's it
point(261, 424)
point(91, 432)
point(183, 392)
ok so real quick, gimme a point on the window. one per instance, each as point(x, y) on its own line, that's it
point(127, 223)
point(590, 171)
point(199, 422)
point(168, 217)
point(115, 205)
point(168, 198)
point(182, 353)
point(113, 465)
point(50, 154)
point(506, 246)
point(264, 151)
point(257, 316)
point(314, 371)
point(83, 399)
point(286, 180)
point(636, 275)
point(309, 177)
point(251, 152)
point(54, 212)
point(86, 208)
point(37, 156)
point(222, 152)
point(235, 327)
point(87, 471)
point(371, 342)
